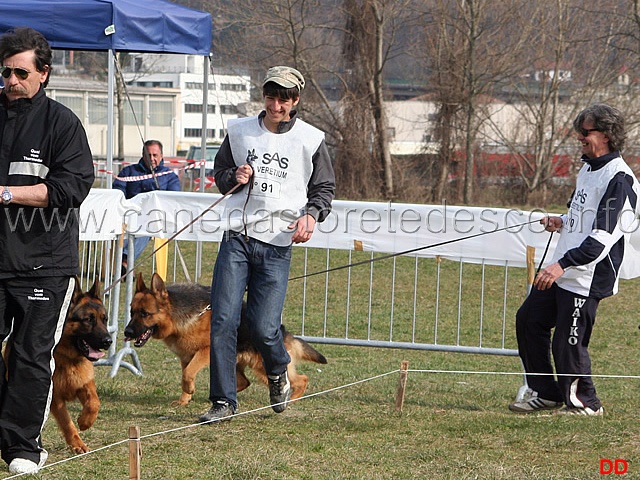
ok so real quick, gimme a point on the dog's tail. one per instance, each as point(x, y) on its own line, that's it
point(300, 350)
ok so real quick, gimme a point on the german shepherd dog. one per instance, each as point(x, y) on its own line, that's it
point(179, 315)
point(85, 334)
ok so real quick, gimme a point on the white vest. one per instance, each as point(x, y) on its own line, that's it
point(282, 166)
point(579, 221)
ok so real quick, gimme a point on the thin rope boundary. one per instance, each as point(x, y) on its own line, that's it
point(323, 392)
point(205, 423)
point(535, 374)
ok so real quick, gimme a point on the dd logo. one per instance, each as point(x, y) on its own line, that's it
point(617, 466)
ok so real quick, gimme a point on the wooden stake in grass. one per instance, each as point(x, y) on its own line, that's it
point(135, 452)
point(404, 366)
point(531, 266)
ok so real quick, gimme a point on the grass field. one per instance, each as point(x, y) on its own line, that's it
point(453, 425)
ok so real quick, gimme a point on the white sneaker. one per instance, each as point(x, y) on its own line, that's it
point(533, 403)
point(586, 411)
point(20, 466)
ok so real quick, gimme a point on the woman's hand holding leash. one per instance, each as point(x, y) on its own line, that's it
point(546, 277)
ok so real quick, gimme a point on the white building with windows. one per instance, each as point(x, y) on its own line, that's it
point(156, 114)
point(185, 73)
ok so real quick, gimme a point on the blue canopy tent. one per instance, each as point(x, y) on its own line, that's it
point(156, 26)
point(119, 25)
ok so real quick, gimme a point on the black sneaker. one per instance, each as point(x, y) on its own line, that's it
point(220, 411)
point(279, 391)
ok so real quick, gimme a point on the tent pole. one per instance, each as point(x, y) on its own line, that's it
point(205, 114)
point(203, 148)
point(110, 83)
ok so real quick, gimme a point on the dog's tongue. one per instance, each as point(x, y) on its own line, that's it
point(95, 354)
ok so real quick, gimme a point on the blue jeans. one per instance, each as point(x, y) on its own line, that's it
point(263, 271)
point(138, 246)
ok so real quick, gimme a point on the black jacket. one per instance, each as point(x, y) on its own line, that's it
point(42, 141)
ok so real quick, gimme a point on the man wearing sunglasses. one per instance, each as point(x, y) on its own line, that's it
point(46, 171)
point(585, 268)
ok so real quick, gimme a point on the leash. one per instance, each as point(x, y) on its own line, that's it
point(545, 253)
point(246, 202)
point(147, 257)
point(385, 257)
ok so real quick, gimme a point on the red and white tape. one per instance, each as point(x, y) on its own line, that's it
point(137, 178)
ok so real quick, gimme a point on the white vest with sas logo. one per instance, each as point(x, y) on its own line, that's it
point(579, 222)
point(282, 166)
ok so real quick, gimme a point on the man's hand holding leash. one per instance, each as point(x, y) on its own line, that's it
point(244, 173)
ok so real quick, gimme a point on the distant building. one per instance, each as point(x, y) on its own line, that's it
point(156, 111)
point(185, 73)
point(164, 94)
point(411, 123)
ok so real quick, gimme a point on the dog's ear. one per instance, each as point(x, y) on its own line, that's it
point(77, 291)
point(96, 289)
point(140, 286)
point(157, 285)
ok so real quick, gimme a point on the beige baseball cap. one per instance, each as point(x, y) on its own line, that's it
point(286, 77)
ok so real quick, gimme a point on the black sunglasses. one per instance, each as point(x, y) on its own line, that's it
point(21, 73)
point(586, 131)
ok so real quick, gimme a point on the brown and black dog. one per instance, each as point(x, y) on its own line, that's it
point(85, 334)
point(179, 315)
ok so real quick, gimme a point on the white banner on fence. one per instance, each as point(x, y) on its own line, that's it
point(102, 214)
point(474, 234)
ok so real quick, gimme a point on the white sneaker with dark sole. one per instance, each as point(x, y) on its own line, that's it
point(585, 412)
point(534, 404)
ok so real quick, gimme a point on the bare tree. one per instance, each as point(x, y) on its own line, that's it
point(537, 61)
point(342, 47)
point(625, 42)
point(472, 45)
point(441, 56)
point(364, 57)
point(563, 74)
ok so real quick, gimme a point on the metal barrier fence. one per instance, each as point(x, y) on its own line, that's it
point(405, 302)
point(345, 288)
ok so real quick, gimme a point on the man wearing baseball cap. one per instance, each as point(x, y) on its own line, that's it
point(288, 185)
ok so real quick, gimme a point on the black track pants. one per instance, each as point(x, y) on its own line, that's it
point(573, 317)
point(36, 309)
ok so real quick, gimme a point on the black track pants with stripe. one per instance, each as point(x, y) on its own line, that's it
point(36, 309)
point(573, 317)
